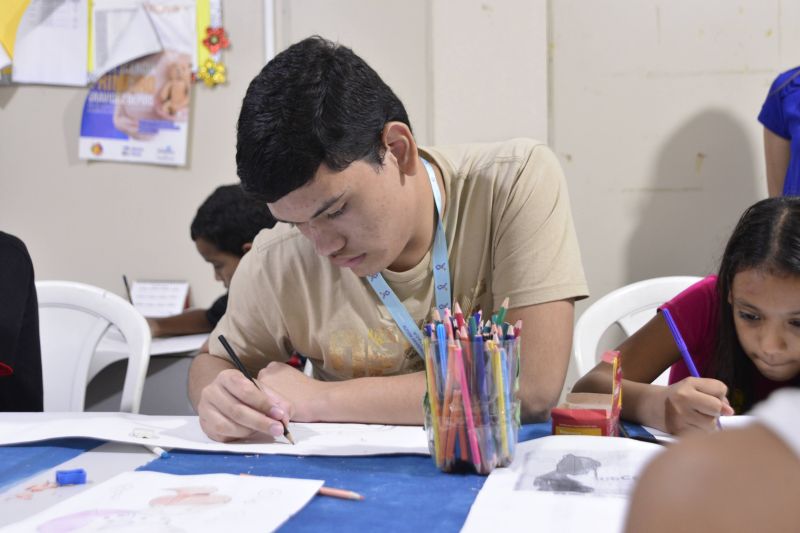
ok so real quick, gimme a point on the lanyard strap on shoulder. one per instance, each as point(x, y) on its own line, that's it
point(441, 276)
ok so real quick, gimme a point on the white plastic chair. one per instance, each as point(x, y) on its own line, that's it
point(73, 317)
point(630, 307)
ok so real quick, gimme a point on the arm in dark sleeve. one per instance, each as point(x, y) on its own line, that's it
point(19, 329)
point(217, 309)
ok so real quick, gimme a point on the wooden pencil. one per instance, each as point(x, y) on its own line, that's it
point(340, 493)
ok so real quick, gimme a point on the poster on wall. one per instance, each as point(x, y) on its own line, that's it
point(139, 112)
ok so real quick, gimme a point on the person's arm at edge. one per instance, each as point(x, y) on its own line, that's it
point(777, 152)
point(645, 355)
point(186, 323)
point(368, 400)
point(732, 481)
point(379, 400)
point(544, 355)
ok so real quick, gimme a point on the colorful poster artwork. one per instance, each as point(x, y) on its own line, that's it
point(139, 112)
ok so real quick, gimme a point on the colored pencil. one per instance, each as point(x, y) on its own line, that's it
point(500, 392)
point(465, 396)
point(340, 493)
point(501, 313)
point(157, 451)
point(687, 358)
point(127, 288)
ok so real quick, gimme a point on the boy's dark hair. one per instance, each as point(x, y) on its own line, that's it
point(315, 103)
point(229, 219)
point(767, 239)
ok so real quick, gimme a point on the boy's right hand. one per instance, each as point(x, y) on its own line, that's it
point(231, 408)
point(695, 404)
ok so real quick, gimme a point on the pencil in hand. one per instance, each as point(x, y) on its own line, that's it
point(682, 348)
point(238, 363)
point(127, 288)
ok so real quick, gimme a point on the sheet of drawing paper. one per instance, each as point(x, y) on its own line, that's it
point(159, 298)
point(184, 432)
point(736, 422)
point(51, 46)
point(114, 341)
point(175, 22)
point(565, 483)
point(726, 422)
point(156, 502)
point(122, 31)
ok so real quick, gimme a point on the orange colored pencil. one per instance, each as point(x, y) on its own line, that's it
point(340, 493)
point(448, 416)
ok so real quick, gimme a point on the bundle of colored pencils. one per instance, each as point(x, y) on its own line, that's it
point(471, 410)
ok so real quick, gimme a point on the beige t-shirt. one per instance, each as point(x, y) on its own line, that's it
point(509, 233)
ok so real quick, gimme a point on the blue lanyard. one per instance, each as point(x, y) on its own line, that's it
point(441, 277)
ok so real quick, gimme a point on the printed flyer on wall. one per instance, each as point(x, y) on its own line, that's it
point(139, 112)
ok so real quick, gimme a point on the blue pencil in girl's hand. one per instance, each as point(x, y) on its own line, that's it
point(687, 358)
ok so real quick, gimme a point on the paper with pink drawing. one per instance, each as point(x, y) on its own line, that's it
point(155, 502)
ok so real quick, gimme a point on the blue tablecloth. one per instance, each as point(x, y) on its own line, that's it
point(401, 492)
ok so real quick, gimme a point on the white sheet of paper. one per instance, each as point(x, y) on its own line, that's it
point(122, 32)
point(565, 483)
point(159, 298)
point(178, 344)
point(726, 422)
point(52, 43)
point(175, 23)
point(736, 422)
point(184, 432)
point(156, 502)
point(113, 341)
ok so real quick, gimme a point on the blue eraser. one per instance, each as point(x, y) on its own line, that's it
point(71, 477)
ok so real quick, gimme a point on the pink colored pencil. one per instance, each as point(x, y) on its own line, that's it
point(473, 437)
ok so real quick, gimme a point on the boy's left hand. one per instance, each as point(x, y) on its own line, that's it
point(303, 391)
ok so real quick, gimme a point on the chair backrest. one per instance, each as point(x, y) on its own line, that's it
point(72, 319)
point(630, 307)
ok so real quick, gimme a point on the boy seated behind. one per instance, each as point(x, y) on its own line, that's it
point(223, 231)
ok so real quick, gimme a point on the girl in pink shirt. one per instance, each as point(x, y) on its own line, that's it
point(742, 328)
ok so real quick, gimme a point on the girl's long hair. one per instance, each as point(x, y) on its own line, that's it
point(767, 239)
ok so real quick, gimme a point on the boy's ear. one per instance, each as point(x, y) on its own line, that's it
point(246, 247)
point(400, 142)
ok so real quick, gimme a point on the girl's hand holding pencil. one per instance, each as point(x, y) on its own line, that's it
point(695, 404)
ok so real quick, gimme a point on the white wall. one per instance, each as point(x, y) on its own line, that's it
point(92, 222)
point(466, 70)
point(653, 111)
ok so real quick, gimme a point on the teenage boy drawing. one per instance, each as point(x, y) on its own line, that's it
point(328, 147)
